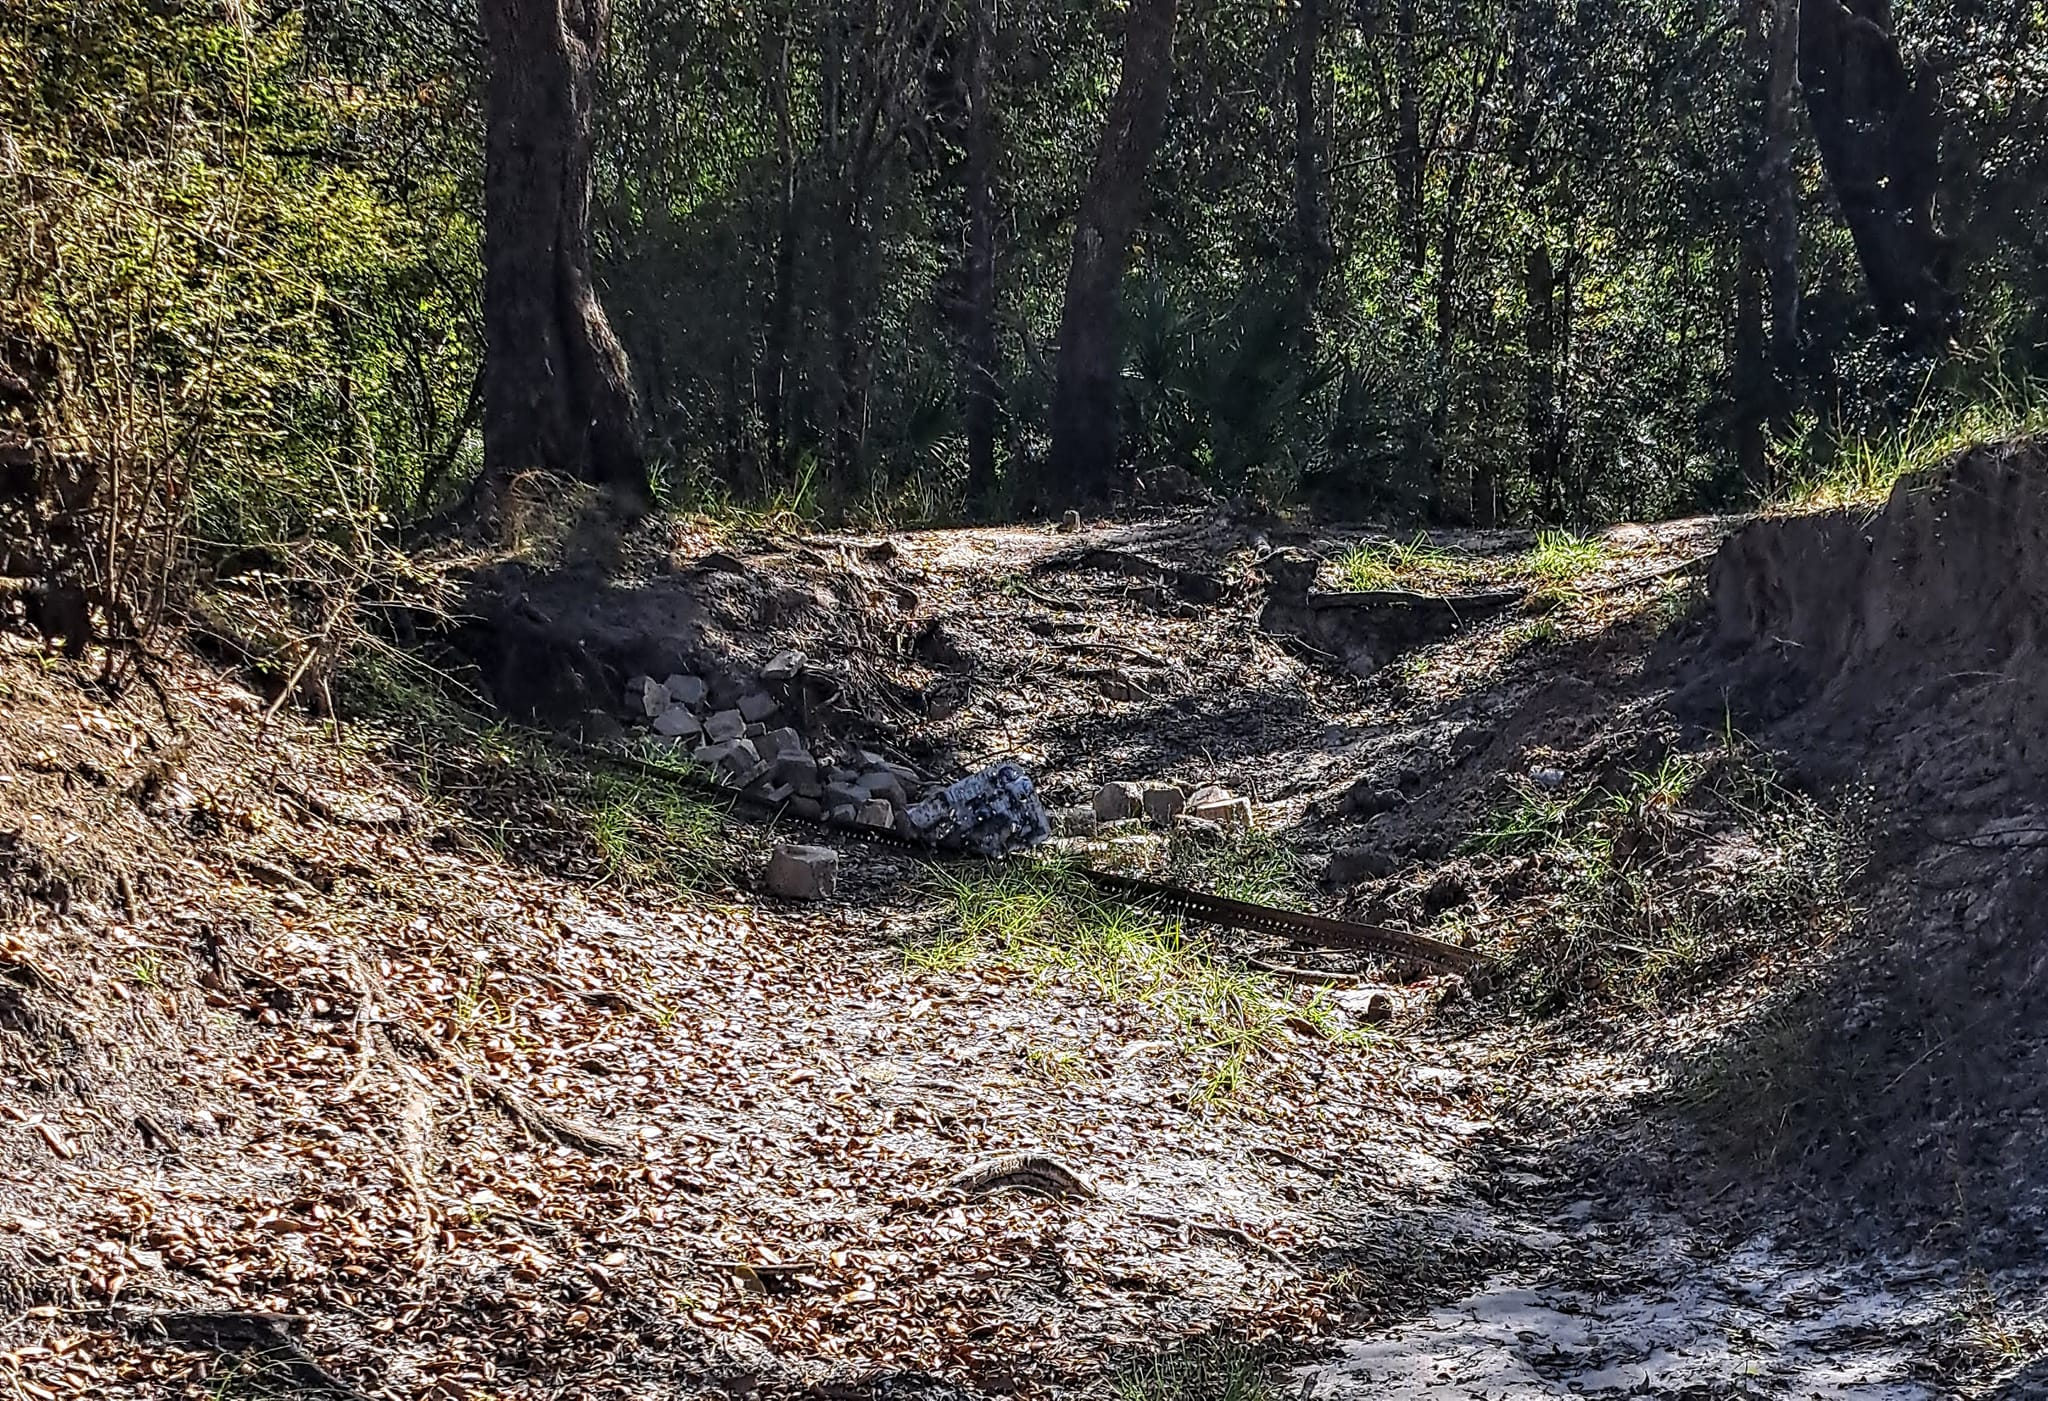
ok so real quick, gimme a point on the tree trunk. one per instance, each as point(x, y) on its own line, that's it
point(1750, 370)
point(558, 394)
point(1879, 131)
point(1084, 409)
point(1780, 184)
point(1539, 340)
point(1407, 153)
point(782, 300)
point(981, 389)
point(1312, 239)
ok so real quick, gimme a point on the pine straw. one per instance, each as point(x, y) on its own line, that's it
point(368, 1068)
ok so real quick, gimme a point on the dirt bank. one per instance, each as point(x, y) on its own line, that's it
point(1896, 657)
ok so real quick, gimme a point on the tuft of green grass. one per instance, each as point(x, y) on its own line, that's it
point(1533, 818)
point(1630, 918)
point(1825, 467)
point(1254, 866)
point(1396, 564)
point(1206, 1369)
point(1561, 559)
point(649, 832)
point(1042, 918)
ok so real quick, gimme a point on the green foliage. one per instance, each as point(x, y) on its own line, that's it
point(1827, 469)
point(1215, 1368)
point(1044, 919)
point(260, 335)
point(1628, 913)
point(1560, 559)
point(1416, 564)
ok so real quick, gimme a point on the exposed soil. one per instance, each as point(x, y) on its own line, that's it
point(377, 1035)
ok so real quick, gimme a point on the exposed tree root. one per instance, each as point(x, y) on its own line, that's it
point(261, 1337)
point(1026, 1172)
point(533, 1118)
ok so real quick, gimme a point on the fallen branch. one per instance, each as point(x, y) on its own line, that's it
point(1025, 1172)
point(1281, 1155)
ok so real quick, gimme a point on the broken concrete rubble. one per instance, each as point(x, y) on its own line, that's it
point(677, 723)
point(780, 744)
point(756, 706)
point(992, 813)
point(688, 691)
point(725, 725)
point(646, 697)
point(1116, 801)
point(1215, 805)
point(803, 872)
point(784, 666)
point(1163, 802)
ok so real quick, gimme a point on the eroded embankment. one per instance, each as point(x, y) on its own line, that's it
point(1897, 657)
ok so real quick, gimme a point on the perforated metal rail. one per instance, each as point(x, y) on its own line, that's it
point(1316, 931)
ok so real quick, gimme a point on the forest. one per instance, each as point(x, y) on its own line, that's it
point(931, 260)
point(1173, 700)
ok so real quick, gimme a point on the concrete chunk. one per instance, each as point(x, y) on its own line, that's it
point(756, 706)
point(803, 872)
point(875, 812)
point(886, 786)
point(780, 744)
point(1116, 801)
point(740, 757)
point(1163, 802)
point(799, 771)
point(687, 690)
point(725, 725)
point(1231, 814)
point(712, 756)
point(677, 723)
point(645, 697)
point(783, 666)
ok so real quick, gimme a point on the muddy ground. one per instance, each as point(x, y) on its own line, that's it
point(475, 1075)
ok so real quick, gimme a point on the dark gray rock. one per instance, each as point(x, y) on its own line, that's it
point(803, 872)
point(1116, 801)
point(686, 690)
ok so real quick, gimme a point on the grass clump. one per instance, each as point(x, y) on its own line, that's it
point(1254, 866)
point(1207, 1369)
point(1414, 564)
point(1044, 919)
point(651, 832)
point(1630, 906)
point(1560, 559)
point(1557, 561)
point(1826, 468)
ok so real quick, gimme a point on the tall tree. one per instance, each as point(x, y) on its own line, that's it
point(1878, 124)
point(981, 371)
point(1311, 235)
point(558, 394)
point(1084, 408)
point(1780, 190)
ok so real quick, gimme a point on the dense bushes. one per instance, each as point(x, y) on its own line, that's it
point(259, 335)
